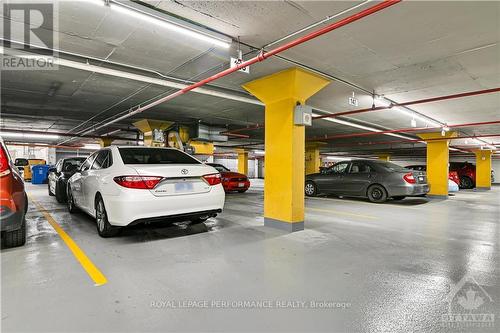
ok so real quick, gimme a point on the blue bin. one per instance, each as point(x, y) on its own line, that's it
point(39, 173)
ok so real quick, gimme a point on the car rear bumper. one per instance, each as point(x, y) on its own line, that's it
point(409, 190)
point(235, 185)
point(132, 207)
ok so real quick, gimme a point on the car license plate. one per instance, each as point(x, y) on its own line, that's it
point(183, 187)
point(241, 184)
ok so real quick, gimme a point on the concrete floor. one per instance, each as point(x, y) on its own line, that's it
point(391, 267)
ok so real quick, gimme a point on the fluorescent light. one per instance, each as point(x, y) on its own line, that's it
point(151, 18)
point(415, 115)
point(259, 152)
point(28, 136)
point(91, 146)
point(335, 158)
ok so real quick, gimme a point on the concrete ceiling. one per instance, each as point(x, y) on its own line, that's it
point(409, 51)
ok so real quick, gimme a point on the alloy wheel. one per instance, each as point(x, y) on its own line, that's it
point(309, 189)
point(100, 215)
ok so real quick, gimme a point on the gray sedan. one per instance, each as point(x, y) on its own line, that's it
point(372, 179)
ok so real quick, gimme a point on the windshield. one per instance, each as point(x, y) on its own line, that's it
point(21, 162)
point(72, 163)
point(219, 167)
point(155, 156)
point(390, 166)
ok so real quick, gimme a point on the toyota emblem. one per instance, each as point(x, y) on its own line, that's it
point(184, 171)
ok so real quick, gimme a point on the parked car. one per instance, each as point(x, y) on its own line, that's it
point(122, 186)
point(452, 176)
point(13, 201)
point(373, 179)
point(59, 175)
point(24, 166)
point(466, 172)
point(20, 163)
point(232, 181)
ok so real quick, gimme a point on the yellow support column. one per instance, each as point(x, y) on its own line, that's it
point(148, 128)
point(105, 142)
point(483, 169)
point(437, 162)
point(285, 144)
point(312, 157)
point(384, 157)
point(242, 161)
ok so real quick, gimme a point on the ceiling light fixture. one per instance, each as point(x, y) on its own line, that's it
point(29, 136)
point(414, 115)
point(174, 24)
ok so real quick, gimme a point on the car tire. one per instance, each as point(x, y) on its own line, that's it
point(377, 193)
point(59, 193)
point(104, 229)
point(242, 191)
point(310, 189)
point(71, 202)
point(466, 182)
point(198, 220)
point(17, 237)
point(50, 192)
point(400, 197)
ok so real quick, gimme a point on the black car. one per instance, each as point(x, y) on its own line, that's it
point(59, 175)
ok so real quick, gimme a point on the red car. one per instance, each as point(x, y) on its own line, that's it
point(13, 201)
point(232, 181)
point(466, 172)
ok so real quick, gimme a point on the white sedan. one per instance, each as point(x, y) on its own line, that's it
point(122, 186)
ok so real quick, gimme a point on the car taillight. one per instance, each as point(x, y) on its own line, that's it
point(409, 178)
point(138, 182)
point(4, 163)
point(212, 179)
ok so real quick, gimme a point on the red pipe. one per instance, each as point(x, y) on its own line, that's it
point(235, 135)
point(264, 55)
point(401, 130)
point(419, 101)
point(413, 140)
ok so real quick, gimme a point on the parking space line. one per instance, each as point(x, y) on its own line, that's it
point(342, 213)
point(93, 272)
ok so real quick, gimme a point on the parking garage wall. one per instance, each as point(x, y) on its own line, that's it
point(232, 164)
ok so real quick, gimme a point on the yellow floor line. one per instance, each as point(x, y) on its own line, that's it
point(342, 213)
point(94, 273)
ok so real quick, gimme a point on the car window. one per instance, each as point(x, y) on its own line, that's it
point(219, 167)
point(389, 166)
point(155, 156)
point(100, 160)
point(21, 162)
point(339, 167)
point(71, 164)
point(88, 162)
point(360, 167)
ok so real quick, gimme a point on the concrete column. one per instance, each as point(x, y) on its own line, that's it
point(438, 162)
point(284, 144)
point(242, 161)
point(105, 142)
point(312, 158)
point(384, 157)
point(483, 169)
point(148, 126)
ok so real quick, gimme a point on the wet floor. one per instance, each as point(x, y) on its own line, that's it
point(406, 266)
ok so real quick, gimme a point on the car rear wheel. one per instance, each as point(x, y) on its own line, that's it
point(71, 202)
point(15, 237)
point(466, 182)
point(310, 189)
point(104, 229)
point(377, 193)
point(398, 198)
